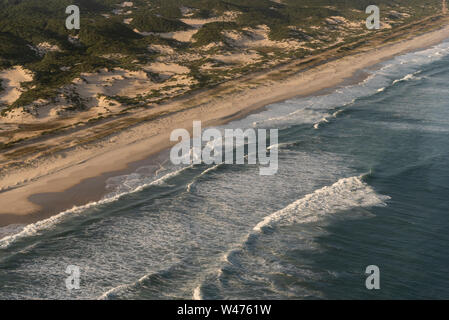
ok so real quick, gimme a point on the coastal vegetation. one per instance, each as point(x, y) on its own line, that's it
point(138, 54)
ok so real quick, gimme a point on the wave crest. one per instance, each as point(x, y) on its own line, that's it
point(35, 228)
point(343, 195)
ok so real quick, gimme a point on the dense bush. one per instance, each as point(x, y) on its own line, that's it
point(149, 22)
point(169, 9)
point(109, 36)
point(213, 32)
point(14, 50)
point(282, 32)
point(203, 14)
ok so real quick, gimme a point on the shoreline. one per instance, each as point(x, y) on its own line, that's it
point(80, 175)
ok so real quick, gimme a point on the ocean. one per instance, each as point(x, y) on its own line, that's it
point(363, 180)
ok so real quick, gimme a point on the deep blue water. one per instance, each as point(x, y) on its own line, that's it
point(363, 180)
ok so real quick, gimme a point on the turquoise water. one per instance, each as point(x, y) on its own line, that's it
point(363, 180)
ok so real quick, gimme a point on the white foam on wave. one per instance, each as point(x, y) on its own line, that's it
point(316, 126)
point(35, 228)
point(345, 194)
point(304, 113)
point(113, 292)
point(116, 291)
point(312, 110)
point(189, 186)
point(278, 146)
point(11, 229)
point(408, 77)
point(336, 113)
point(378, 81)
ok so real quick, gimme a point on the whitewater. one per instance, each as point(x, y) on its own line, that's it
point(362, 180)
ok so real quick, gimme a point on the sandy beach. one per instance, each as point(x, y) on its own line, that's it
point(77, 174)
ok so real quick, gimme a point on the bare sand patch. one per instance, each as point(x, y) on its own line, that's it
point(11, 83)
point(182, 36)
point(259, 37)
point(161, 49)
point(227, 16)
point(18, 115)
point(196, 24)
point(238, 58)
point(166, 68)
point(110, 83)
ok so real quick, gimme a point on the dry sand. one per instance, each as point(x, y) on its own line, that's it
point(78, 176)
point(11, 83)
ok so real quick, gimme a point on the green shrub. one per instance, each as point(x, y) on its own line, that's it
point(213, 32)
point(14, 50)
point(148, 22)
point(203, 14)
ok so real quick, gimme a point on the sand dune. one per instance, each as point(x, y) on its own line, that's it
point(11, 79)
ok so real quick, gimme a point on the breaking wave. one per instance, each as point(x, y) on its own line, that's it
point(345, 194)
point(35, 228)
point(408, 77)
